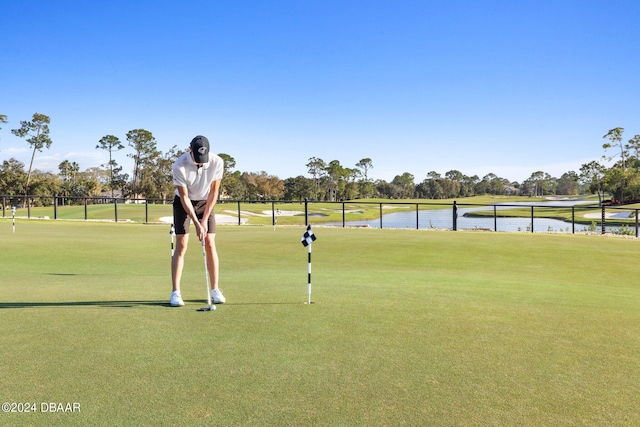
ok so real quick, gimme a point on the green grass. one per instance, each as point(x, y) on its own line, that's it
point(408, 328)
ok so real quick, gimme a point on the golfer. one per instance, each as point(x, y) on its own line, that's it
point(196, 175)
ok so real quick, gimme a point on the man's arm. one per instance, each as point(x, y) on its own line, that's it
point(188, 207)
point(211, 202)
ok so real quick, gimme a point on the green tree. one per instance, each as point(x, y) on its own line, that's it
point(431, 187)
point(156, 178)
point(229, 164)
point(144, 156)
point(298, 188)
point(387, 189)
point(365, 186)
point(405, 183)
point(228, 176)
point(615, 136)
point(350, 188)
point(262, 186)
point(111, 143)
point(336, 179)
point(453, 183)
point(365, 165)
point(634, 144)
point(97, 178)
point(591, 175)
point(12, 178)
point(469, 185)
point(541, 184)
point(632, 189)
point(234, 186)
point(491, 184)
point(78, 184)
point(317, 169)
point(37, 131)
point(568, 184)
point(615, 181)
point(84, 186)
point(68, 170)
point(68, 173)
point(43, 185)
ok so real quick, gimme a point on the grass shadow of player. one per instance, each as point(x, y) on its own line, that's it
point(106, 304)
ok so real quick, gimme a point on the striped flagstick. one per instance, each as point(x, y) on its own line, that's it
point(307, 239)
point(275, 219)
point(172, 232)
point(13, 216)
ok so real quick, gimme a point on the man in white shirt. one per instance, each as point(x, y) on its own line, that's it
point(197, 175)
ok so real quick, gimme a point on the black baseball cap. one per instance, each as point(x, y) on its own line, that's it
point(200, 149)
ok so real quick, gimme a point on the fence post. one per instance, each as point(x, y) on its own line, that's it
point(343, 217)
point(29, 207)
point(455, 216)
point(573, 220)
point(636, 223)
point(495, 219)
point(273, 213)
point(146, 211)
point(115, 207)
point(4, 203)
point(603, 216)
point(380, 216)
point(55, 206)
point(532, 219)
point(239, 219)
point(417, 217)
point(86, 213)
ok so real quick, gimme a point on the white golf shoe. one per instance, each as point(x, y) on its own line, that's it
point(176, 299)
point(217, 297)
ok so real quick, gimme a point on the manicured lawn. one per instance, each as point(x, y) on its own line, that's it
point(407, 328)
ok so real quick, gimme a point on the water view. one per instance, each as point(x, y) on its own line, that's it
point(443, 219)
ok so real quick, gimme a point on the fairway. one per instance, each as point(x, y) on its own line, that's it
point(408, 327)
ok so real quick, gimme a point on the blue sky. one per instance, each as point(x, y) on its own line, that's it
point(497, 86)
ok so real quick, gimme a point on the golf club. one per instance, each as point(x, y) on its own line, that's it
point(209, 307)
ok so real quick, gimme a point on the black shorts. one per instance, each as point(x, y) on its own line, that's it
point(181, 220)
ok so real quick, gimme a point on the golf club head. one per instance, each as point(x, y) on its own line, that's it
point(208, 308)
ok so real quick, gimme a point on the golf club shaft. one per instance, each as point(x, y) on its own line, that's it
point(206, 274)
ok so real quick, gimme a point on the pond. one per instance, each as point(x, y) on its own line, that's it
point(443, 218)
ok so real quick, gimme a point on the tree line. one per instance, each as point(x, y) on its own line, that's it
point(331, 181)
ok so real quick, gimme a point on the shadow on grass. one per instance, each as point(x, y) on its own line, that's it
point(120, 304)
point(264, 303)
point(112, 304)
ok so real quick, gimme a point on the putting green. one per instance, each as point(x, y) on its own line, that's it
point(408, 328)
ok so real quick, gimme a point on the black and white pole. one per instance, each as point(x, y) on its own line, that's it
point(172, 232)
point(13, 217)
point(309, 278)
point(307, 239)
point(275, 220)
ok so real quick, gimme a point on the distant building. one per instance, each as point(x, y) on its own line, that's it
point(107, 197)
point(510, 190)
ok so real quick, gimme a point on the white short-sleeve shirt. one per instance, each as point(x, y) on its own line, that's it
point(186, 173)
